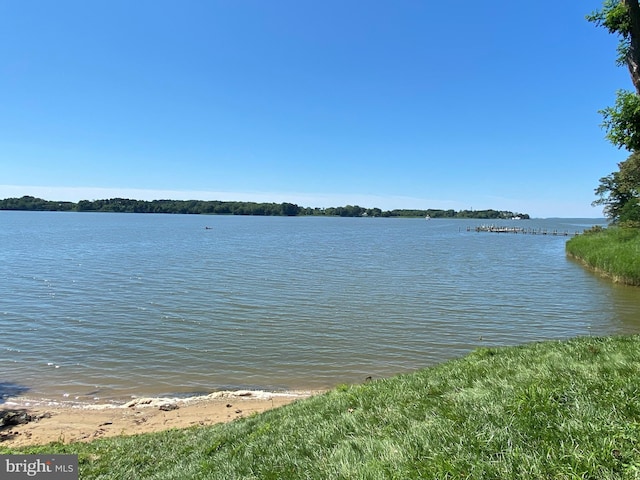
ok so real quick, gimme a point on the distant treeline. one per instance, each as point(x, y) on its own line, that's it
point(216, 207)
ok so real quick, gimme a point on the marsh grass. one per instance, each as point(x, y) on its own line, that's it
point(614, 252)
point(561, 410)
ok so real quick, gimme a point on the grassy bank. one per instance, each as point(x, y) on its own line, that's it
point(612, 252)
point(546, 410)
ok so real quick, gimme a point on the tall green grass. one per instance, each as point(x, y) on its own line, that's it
point(551, 410)
point(613, 252)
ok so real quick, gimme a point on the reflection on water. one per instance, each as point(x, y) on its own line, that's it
point(623, 301)
point(617, 305)
point(109, 305)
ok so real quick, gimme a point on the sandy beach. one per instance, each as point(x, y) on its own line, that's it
point(84, 423)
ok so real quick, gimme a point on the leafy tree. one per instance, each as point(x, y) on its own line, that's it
point(622, 121)
point(618, 192)
point(289, 209)
point(622, 17)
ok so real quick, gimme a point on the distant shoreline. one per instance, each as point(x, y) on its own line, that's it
point(216, 207)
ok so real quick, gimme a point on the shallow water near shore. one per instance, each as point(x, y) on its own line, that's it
point(98, 307)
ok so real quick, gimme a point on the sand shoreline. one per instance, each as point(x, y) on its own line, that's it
point(67, 423)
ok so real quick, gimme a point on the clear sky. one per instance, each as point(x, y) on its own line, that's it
point(390, 104)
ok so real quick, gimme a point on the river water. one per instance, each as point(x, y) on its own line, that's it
point(99, 307)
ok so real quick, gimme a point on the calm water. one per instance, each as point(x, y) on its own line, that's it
point(105, 306)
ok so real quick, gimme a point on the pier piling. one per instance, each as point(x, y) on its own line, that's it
point(524, 231)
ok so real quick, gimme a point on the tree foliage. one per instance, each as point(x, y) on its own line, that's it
point(614, 16)
point(619, 191)
point(622, 121)
point(622, 18)
point(216, 207)
point(35, 204)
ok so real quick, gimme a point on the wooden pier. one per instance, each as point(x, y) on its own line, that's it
point(524, 231)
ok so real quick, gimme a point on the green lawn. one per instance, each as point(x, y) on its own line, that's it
point(561, 410)
point(613, 252)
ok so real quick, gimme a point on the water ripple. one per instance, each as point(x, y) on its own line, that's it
point(151, 304)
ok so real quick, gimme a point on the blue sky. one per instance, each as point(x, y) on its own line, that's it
point(404, 104)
